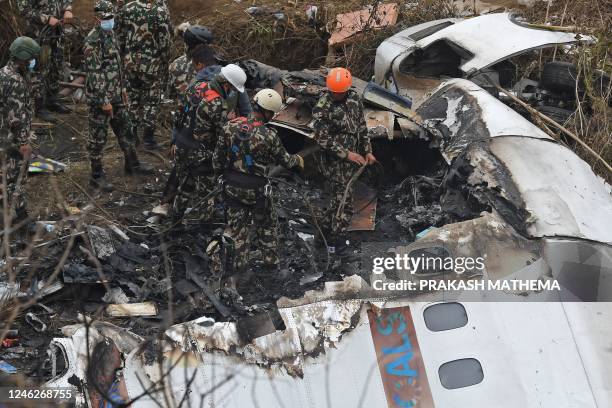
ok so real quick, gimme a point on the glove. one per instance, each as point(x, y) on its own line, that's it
point(300, 161)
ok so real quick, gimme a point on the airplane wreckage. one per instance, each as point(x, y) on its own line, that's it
point(465, 176)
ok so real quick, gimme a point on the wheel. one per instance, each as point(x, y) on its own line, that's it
point(560, 77)
point(559, 115)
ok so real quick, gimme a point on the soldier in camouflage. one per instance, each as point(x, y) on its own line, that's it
point(44, 22)
point(107, 97)
point(145, 35)
point(340, 130)
point(210, 105)
point(242, 154)
point(181, 71)
point(16, 120)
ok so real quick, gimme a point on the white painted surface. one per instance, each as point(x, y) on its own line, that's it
point(591, 325)
point(397, 44)
point(491, 38)
point(500, 119)
point(532, 355)
point(561, 191)
point(494, 37)
point(526, 350)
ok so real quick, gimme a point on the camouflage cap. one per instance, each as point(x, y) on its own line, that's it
point(104, 8)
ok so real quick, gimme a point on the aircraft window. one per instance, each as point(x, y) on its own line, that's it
point(445, 316)
point(460, 373)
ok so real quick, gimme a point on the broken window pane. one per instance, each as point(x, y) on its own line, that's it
point(460, 373)
point(445, 316)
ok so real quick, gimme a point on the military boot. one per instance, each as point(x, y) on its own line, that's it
point(42, 112)
point(148, 137)
point(133, 165)
point(98, 180)
point(55, 105)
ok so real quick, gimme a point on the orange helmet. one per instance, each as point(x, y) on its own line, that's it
point(339, 80)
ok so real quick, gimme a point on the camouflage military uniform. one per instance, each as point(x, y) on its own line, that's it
point(181, 72)
point(144, 33)
point(49, 69)
point(339, 127)
point(16, 112)
point(244, 150)
point(105, 84)
point(208, 109)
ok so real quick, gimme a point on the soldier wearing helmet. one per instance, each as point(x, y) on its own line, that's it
point(182, 74)
point(45, 21)
point(340, 130)
point(16, 112)
point(244, 151)
point(181, 71)
point(209, 105)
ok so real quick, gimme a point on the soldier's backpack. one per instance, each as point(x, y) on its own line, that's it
point(182, 133)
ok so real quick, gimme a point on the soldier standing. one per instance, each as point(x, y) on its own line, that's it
point(243, 152)
point(107, 97)
point(44, 22)
point(340, 129)
point(204, 115)
point(16, 113)
point(145, 35)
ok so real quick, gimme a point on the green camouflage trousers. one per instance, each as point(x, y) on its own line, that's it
point(190, 192)
point(98, 129)
point(144, 92)
point(241, 226)
point(49, 66)
point(15, 185)
point(337, 174)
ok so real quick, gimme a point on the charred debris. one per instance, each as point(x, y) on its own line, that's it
point(140, 275)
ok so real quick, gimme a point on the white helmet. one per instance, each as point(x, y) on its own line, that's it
point(235, 76)
point(269, 99)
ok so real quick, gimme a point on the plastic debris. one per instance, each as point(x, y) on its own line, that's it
point(39, 164)
point(7, 368)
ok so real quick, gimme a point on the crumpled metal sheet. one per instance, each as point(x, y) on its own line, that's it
point(559, 189)
point(460, 112)
point(310, 328)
